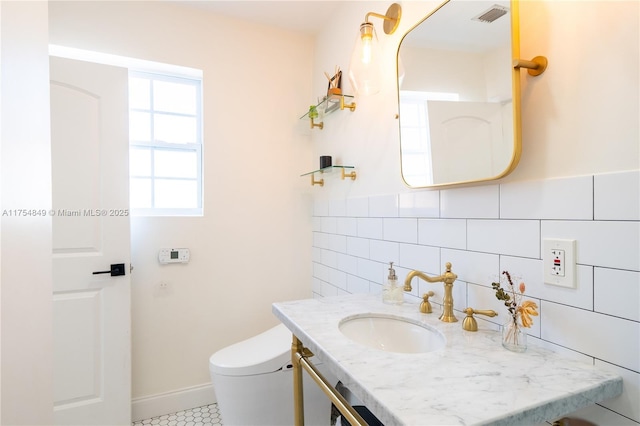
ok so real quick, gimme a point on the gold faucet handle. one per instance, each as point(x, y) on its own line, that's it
point(470, 323)
point(425, 306)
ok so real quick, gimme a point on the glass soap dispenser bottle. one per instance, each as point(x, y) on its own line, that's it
point(391, 291)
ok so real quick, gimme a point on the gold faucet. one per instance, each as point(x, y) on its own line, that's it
point(447, 278)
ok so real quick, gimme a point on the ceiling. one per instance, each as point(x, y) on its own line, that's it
point(304, 16)
point(448, 27)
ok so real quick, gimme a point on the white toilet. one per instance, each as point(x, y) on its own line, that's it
point(253, 383)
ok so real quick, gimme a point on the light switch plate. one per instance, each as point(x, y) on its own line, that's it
point(559, 260)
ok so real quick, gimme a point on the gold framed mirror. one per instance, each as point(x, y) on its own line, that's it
point(459, 94)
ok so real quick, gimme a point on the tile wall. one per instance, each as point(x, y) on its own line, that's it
point(486, 229)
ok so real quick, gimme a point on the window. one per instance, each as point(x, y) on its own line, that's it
point(165, 134)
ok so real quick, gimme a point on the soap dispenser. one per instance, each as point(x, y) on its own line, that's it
point(391, 291)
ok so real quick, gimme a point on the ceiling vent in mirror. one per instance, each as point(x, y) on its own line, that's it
point(490, 15)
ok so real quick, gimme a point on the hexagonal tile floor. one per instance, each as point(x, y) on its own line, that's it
point(201, 416)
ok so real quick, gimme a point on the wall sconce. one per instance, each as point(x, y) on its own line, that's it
point(364, 70)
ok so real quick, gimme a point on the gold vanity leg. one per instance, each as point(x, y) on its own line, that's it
point(299, 355)
point(298, 397)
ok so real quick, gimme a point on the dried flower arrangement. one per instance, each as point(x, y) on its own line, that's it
point(513, 338)
point(513, 301)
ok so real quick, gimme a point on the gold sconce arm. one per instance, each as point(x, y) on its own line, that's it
point(534, 67)
point(391, 18)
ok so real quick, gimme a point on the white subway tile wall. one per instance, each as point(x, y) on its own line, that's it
point(616, 292)
point(487, 229)
point(383, 206)
point(480, 202)
point(548, 199)
point(419, 204)
point(450, 233)
point(609, 204)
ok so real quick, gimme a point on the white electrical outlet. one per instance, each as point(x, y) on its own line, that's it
point(559, 259)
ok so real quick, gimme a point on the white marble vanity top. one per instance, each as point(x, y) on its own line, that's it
point(472, 381)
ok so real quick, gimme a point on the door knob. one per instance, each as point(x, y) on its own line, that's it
point(116, 270)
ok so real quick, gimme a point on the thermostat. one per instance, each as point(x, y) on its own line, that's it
point(171, 255)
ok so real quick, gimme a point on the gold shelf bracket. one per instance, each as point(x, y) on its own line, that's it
point(344, 175)
point(319, 125)
point(351, 106)
point(316, 182)
point(534, 67)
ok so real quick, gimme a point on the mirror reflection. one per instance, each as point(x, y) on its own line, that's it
point(455, 95)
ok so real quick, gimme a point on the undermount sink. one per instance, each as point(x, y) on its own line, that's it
point(391, 334)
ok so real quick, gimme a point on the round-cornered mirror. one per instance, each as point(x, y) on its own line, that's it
point(458, 95)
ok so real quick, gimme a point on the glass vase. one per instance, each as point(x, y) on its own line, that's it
point(513, 337)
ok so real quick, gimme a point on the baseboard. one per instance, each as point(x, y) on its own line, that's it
point(147, 407)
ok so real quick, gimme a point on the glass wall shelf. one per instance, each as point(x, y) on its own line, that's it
point(331, 169)
point(326, 106)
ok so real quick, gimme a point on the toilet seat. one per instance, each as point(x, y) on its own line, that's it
point(265, 353)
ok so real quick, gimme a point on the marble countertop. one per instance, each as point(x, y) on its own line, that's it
point(472, 381)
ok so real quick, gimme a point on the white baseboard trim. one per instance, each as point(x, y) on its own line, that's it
point(147, 407)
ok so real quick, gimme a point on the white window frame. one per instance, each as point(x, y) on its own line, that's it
point(154, 145)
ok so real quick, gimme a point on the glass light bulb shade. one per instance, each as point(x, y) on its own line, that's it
point(364, 69)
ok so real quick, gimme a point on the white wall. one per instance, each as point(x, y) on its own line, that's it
point(25, 242)
point(578, 179)
point(251, 247)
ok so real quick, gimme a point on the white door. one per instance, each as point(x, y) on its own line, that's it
point(470, 133)
point(92, 319)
